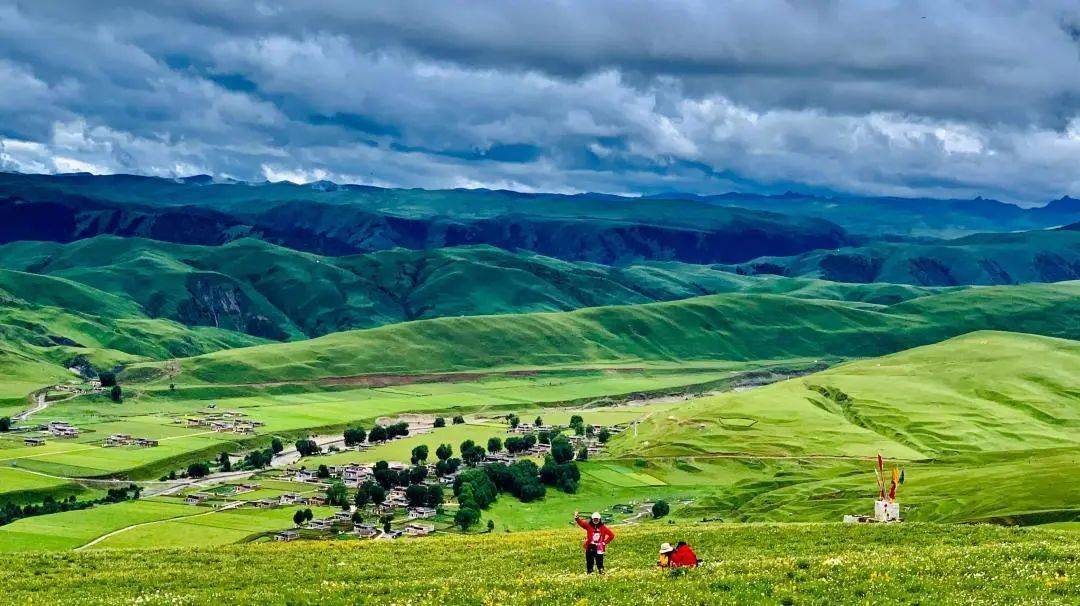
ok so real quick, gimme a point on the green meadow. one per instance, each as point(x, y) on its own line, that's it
point(743, 564)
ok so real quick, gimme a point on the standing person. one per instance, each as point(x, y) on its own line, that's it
point(597, 537)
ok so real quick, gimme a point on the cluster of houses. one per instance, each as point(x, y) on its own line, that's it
point(56, 429)
point(123, 439)
point(199, 498)
point(63, 429)
point(227, 420)
point(342, 521)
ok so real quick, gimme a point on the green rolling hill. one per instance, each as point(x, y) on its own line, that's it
point(1004, 258)
point(986, 424)
point(717, 327)
point(50, 324)
point(270, 291)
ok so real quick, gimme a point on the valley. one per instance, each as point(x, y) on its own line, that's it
point(740, 400)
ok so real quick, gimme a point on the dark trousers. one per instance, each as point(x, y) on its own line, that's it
point(591, 557)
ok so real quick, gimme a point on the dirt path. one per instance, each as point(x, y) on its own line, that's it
point(41, 402)
point(232, 505)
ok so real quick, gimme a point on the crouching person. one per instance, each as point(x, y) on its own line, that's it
point(680, 556)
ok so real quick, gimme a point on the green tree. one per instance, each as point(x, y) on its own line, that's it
point(538, 422)
point(276, 445)
point(417, 473)
point(378, 434)
point(491, 525)
point(440, 422)
point(336, 494)
point(444, 452)
point(466, 517)
point(298, 517)
point(308, 515)
point(561, 450)
point(458, 419)
point(604, 435)
point(386, 520)
point(434, 496)
point(5, 423)
point(660, 509)
point(107, 379)
point(376, 493)
point(354, 436)
point(198, 470)
point(322, 472)
point(116, 394)
point(513, 420)
point(223, 460)
point(307, 447)
point(419, 454)
point(583, 453)
point(494, 445)
point(361, 498)
point(416, 495)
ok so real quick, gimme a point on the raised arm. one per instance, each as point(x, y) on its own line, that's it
point(580, 522)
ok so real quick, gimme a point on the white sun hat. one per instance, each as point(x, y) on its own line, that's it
point(666, 548)
point(595, 515)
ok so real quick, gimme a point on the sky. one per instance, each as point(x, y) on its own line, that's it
point(906, 98)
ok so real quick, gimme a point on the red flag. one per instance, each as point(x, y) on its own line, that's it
point(892, 491)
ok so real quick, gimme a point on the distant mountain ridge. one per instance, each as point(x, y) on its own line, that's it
point(350, 220)
point(875, 216)
point(981, 259)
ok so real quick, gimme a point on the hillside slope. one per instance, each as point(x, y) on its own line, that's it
point(981, 392)
point(1036, 256)
point(727, 327)
point(270, 291)
point(49, 324)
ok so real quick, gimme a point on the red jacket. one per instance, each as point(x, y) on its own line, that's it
point(599, 536)
point(683, 556)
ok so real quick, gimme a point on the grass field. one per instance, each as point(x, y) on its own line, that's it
point(744, 564)
point(207, 528)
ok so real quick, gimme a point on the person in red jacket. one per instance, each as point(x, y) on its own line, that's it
point(683, 556)
point(597, 537)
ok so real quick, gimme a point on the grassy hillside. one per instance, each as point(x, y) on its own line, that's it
point(993, 417)
point(759, 564)
point(266, 290)
point(726, 327)
point(49, 324)
point(981, 392)
point(1010, 258)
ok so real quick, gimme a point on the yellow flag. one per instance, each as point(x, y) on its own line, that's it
point(895, 475)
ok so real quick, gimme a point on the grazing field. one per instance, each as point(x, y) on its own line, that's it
point(744, 564)
point(73, 529)
point(207, 528)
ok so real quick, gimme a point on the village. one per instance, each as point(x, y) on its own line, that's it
point(417, 499)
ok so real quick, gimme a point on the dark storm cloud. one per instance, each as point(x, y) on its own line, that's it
point(876, 97)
